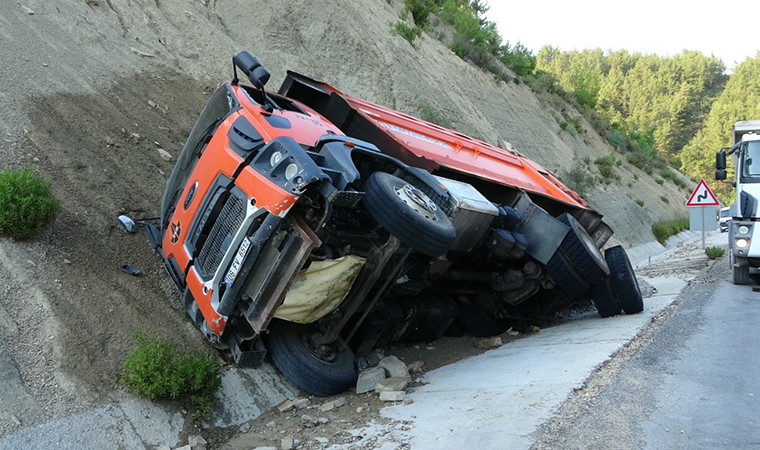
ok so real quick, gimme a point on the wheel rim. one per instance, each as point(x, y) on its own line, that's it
point(417, 201)
point(591, 246)
point(327, 356)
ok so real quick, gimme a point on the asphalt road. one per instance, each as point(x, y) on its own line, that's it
point(693, 385)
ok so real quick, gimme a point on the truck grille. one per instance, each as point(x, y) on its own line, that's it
point(220, 237)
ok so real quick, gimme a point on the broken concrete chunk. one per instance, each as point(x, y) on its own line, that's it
point(244, 428)
point(368, 379)
point(139, 52)
point(327, 406)
point(301, 403)
point(286, 406)
point(323, 420)
point(340, 401)
point(287, 443)
point(394, 367)
point(27, 10)
point(392, 396)
point(184, 447)
point(421, 380)
point(270, 425)
point(392, 384)
point(535, 329)
point(512, 332)
point(322, 440)
point(197, 442)
point(487, 344)
point(308, 421)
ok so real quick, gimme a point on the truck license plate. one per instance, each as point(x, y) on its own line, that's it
point(237, 263)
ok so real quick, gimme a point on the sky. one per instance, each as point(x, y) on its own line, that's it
point(724, 29)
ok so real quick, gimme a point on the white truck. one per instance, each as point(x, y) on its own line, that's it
point(743, 235)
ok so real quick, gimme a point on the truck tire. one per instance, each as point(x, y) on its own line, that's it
point(582, 252)
point(407, 213)
point(739, 270)
point(604, 299)
point(623, 279)
point(565, 276)
point(290, 350)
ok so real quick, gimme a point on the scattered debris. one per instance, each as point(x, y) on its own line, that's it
point(287, 443)
point(197, 442)
point(535, 329)
point(308, 421)
point(487, 344)
point(244, 428)
point(28, 10)
point(512, 332)
point(416, 367)
point(421, 380)
point(270, 425)
point(16, 421)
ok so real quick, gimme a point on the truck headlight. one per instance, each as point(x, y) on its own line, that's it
point(744, 229)
point(742, 243)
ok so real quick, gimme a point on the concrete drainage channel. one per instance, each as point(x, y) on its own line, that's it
point(493, 400)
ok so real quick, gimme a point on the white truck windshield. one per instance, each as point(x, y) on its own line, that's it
point(751, 161)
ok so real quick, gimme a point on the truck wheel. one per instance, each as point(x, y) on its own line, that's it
point(582, 252)
point(565, 276)
point(409, 214)
point(604, 299)
point(740, 271)
point(320, 373)
point(623, 280)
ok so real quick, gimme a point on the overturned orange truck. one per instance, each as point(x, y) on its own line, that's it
point(313, 226)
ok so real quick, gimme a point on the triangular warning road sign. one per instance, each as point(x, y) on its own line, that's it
point(702, 196)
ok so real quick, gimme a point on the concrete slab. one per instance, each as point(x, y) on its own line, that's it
point(497, 399)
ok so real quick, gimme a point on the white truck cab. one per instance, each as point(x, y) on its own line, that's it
point(743, 235)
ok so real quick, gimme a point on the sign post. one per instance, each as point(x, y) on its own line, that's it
point(702, 198)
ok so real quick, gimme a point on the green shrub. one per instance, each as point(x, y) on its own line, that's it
point(659, 181)
point(606, 166)
point(663, 230)
point(420, 10)
point(579, 180)
point(664, 199)
point(432, 115)
point(27, 204)
point(639, 202)
point(157, 369)
point(407, 32)
point(714, 252)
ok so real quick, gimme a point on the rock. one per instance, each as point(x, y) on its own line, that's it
point(308, 421)
point(421, 380)
point(368, 379)
point(184, 447)
point(271, 425)
point(244, 428)
point(392, 396)
point(139, 52)
point(27, 10)
point(301, 403)
point(415, 367)
point(394, 367)
point(340, 401)
point(408, 401)
point(322, 440)
point(323, 420)
point(392, 384)
point(328, 406)
point(512, 332)
point(287, 443)
point(16, 421)
point(286, 406)
point(189, 53)
point(164, 447)
point(166, 156)
point(487, 344)
point(197, 442)
point(360, 409)
point(535, 329)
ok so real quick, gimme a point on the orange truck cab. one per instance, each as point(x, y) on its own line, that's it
point(314, 227)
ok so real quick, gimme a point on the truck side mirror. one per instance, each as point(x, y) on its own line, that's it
point(720, 163)
point(720, 175)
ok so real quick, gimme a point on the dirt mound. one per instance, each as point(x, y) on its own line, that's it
point(92, 90)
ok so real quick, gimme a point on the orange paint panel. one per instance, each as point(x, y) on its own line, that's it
point(214, 320)
point(267, 194)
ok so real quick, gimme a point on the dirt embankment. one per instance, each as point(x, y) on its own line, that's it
point(92, 90)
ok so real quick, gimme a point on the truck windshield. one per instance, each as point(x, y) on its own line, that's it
point(751, 162)
point(217, 107)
